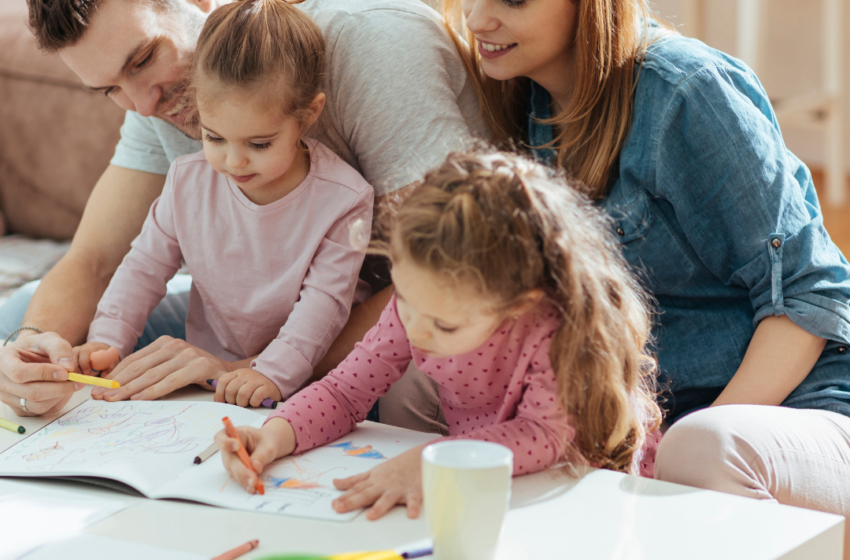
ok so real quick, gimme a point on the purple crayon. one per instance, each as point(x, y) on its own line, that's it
point(268, 403)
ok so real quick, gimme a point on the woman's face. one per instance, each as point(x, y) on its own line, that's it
point(531, 38)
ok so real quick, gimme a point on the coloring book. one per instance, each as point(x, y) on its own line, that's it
point(150, 446)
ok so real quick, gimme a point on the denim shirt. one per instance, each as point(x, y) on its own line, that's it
point(722, 224)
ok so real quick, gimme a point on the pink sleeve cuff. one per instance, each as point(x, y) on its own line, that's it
point(286, 367)
point(114, 333)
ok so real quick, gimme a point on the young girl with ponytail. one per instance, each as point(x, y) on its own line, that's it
point(260, 217)
point(511, 295)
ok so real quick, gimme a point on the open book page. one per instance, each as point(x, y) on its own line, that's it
point(300, 486)
point(142, 444)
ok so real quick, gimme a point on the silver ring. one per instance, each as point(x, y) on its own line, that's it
point(24, 404)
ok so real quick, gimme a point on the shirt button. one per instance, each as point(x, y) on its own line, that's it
point(776, 243)
point(620, 232)
point(842, 349)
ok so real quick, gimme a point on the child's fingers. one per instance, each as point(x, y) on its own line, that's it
point(232, 464)
point(243, 395)
point(385, 502)
point(360, 496)
point(82, 355)
point(350, 482)
point(104, 360)
point(263, 454)
point(223, 382)
point(232, 389)
point(414, 503)
point(261, 393)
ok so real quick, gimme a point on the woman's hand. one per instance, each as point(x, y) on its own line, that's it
point(274, 440)
point(398, 481)
point(161, 368)
point(245, 387)
point(35, 367)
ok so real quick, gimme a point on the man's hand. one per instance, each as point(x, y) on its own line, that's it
point(398, 481)
point(36, 368)
point(245, 387)
point(161, 368)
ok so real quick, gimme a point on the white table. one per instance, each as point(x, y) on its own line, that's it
point(600, 515)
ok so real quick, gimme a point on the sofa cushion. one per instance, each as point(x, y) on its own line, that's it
point(56, 138)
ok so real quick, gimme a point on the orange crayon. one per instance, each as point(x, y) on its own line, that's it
point(242, 452)
point(102, 359)
point(238, 551)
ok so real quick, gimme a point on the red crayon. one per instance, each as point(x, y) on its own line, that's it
point(242, 453)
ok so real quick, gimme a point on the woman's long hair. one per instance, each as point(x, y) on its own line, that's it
point(506, 226)
point(610, 38)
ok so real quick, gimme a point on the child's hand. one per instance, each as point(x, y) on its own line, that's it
point(398, 481)
point(245, 387)
point(274, 440)
point(83, 355)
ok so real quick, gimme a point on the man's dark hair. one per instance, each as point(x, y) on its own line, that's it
point(57, 24)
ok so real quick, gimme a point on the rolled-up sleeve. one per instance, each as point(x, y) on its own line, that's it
point(746, 204)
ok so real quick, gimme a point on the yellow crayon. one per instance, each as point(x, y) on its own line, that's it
point(11, 426)
point(89, 380)
point(378, 555)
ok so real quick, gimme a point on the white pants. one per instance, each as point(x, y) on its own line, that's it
point(789, 456)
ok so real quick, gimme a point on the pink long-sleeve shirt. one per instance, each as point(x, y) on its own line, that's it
point(276, 280)
point(504, 391)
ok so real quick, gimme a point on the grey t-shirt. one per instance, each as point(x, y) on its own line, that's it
point(399, 98)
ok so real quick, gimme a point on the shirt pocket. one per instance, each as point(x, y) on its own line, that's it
point(649, 244)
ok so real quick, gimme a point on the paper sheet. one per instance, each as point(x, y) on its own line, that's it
point(32, 517)
point(301, 486)
point(94, 547)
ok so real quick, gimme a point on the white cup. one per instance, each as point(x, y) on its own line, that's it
point(466, 487)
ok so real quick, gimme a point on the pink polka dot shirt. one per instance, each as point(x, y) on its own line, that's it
point(504, 391)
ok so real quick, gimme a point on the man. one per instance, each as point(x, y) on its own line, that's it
point(399, 102)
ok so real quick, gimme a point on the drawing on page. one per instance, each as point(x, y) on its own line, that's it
point(365, 452)
point(292, 483)
point(98, 433)
point(43, 453)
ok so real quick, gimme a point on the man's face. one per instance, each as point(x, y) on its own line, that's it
point(141, 55)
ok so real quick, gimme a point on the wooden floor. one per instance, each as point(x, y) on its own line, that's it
point(836, 218)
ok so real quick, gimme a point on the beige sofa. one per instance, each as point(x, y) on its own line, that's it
point(56, 137)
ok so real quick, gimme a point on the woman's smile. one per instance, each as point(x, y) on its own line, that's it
point(494, 50)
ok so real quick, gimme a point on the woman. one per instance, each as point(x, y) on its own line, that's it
point(679, 143)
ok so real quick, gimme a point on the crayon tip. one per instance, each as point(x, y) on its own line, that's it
point(274, 405)
point(197, 460)
point(209, 381)
point(21, 429)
